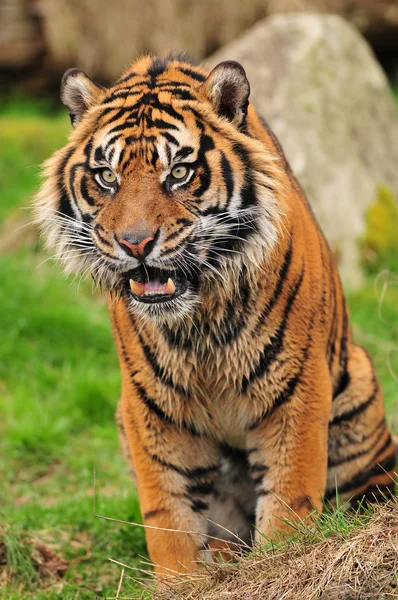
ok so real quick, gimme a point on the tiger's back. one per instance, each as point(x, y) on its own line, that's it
point(244, 397)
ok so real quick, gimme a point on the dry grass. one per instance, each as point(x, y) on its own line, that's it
point(341, 558)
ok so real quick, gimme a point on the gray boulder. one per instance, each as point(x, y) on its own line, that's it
point(317, 83)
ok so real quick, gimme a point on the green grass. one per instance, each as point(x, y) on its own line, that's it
point(59, 385)
point(27, 137)
point(60, 382)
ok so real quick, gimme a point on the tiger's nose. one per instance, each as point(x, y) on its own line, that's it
point(139, 246)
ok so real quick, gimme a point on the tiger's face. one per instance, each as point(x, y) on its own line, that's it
point(160, 190)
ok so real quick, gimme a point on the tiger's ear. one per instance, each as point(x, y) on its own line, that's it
point(228, 90)
point(78, 93)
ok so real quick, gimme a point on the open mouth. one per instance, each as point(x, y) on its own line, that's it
point(152, 285)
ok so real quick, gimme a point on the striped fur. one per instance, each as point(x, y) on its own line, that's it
point(244, 399)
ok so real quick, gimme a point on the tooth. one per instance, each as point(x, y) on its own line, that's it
point(137, 288)
point(170, 288)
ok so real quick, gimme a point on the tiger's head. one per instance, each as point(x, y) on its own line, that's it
point(162, 190)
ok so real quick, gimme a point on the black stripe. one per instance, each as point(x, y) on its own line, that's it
point(130, 139)
point(163, 85)
point(199, 505)
point(160, 124)
point(383, 448)
point(278, 288)
point(84, 191)
point(201, 487)
point(180, 94)
point(173, 235)
point(113, 267)
point(127, 124)
point(150, 402)
point(271, 350)
point(183, 221)
point(152, 405)
point(170, 138)
point(361, 478)
point(192, 74)
point(120, 112)
point(288, 391)
point(122, 95)
point(262, 492)
point(72, 176)
point(184, 152)
point(156, 367)
point(344, 378)
point(189, 473)
point(169, 110)
point(111, 155)
point(176, 338)
point(205, 145)
point(343, 383)
point(155, 156)
point(127, 77)
point(235, 316)
point(374, 493)
point(354, 412)
point(113, 139)
point(65, 206)
point(168, 152)
point(153, 513)
point(158, 66)
point(284, 396)
point(331, 345)
point(99, 155)
point(257, 472)
point(104, 241)
point(227, 176)
point(363, 452)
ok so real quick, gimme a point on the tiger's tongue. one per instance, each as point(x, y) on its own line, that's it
point(152, 287)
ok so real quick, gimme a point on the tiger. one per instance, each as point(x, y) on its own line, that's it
point(245, 403)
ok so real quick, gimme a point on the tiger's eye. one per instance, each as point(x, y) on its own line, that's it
point(108, 176)
point(179, 172)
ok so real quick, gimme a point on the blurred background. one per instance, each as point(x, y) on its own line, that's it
point(324, 73)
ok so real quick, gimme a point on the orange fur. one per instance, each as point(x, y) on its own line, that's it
point(247, 401)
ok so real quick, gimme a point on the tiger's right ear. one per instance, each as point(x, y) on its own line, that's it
point(78, 93)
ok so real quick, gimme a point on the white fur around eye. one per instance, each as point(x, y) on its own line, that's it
point(177, 182)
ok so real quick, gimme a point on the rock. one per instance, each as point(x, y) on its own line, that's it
point(317, 83)
point(50, 36)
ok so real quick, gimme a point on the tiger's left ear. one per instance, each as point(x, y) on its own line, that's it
point(228, 90)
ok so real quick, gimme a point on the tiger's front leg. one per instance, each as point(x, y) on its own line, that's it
point(175, 472)
point(288, 453)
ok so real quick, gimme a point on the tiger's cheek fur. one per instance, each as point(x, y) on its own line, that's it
point(245, 401)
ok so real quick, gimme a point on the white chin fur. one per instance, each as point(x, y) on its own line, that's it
point(165, 312)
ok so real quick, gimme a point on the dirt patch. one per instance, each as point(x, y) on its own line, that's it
point(26, 559)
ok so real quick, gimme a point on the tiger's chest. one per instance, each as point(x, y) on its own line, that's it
point(209, 392)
